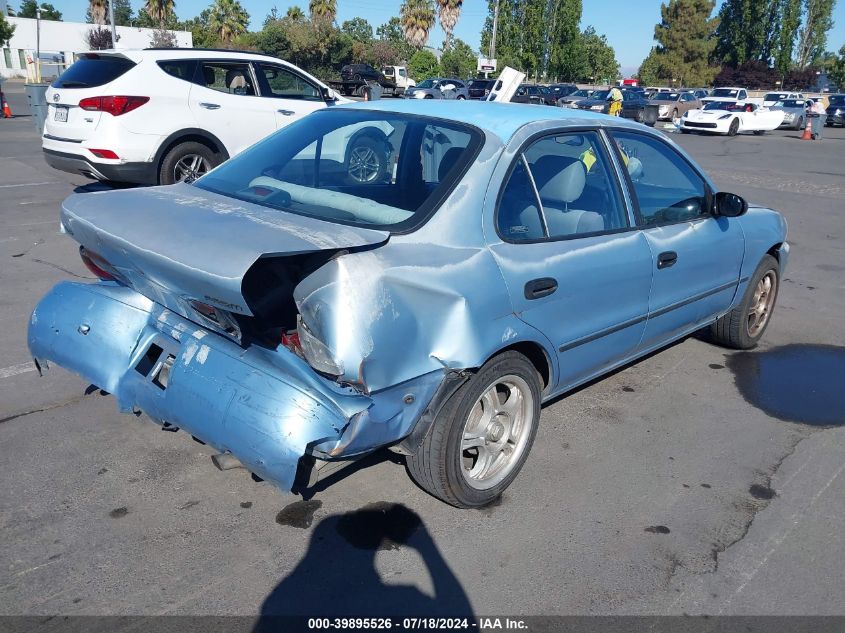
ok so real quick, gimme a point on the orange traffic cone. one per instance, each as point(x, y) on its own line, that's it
point(7, 111)
point(808, 130)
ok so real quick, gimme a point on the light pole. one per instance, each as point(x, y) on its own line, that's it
point(37, 44)
point(113, 29)
point(492, 52)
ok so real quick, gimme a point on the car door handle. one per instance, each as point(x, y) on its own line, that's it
point(286, 112)
point(666, 259)
point(539, 288)
point(210, 106)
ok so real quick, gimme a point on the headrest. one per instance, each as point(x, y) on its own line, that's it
point(235, 79)
point(208, 75)
point(559, 177)
point(448, 161)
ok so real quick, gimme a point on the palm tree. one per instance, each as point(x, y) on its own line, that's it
point(159, 10)
point(323, 10)
point(448, 11)
point(97, 9)
point(295, 14)
point(417, 17)
point(228, 19)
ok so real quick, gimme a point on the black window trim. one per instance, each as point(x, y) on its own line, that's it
point(708, 192)
point(612, 175)
point(193, 60)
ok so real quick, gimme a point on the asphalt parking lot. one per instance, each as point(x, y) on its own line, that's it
point(696, 481)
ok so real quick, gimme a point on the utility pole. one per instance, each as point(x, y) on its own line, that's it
point(38, 43)
point(495, 26)
point(111, 20)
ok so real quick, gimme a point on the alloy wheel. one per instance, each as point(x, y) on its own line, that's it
point(364, 163)
point(761, 303)
point(497, 432)
point(189, 168)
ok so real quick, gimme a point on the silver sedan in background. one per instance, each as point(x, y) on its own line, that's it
point(438, 88)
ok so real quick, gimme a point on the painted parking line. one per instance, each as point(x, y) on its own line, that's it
point(14, 370)
point(29, 184)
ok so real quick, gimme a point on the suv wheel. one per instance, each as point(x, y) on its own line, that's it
point(366, 160)
point(186, 162)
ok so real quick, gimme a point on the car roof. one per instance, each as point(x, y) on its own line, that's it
point(137, 54)
point(499, 119)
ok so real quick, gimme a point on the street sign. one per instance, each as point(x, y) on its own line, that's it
point(486, 65)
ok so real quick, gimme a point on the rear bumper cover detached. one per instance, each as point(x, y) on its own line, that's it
point(266, 407)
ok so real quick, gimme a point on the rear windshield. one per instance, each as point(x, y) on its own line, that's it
point(792, 103)
point(667, 96)
point(92, 70)
point(724, 92)
point(776, 96)
point(363, 168)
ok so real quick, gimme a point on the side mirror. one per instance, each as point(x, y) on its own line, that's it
point(328, 94)
point(729, 205)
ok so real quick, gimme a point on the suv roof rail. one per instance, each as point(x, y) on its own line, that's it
point(211, 50)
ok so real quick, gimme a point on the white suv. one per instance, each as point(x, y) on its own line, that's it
point(158, 116)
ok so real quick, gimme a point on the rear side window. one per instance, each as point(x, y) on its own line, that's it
point(92, 70)
point(180, 68)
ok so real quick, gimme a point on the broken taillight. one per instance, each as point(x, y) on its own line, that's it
point(291, 341)
point(96, 264)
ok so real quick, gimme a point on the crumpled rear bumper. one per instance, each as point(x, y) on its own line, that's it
point(266, 407)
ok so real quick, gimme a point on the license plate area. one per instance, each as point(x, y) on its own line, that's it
point(61, 114)
point(156, 364)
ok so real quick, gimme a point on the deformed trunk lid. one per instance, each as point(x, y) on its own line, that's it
point(183, 242)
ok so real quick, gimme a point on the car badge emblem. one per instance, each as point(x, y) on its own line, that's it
point(55, 96)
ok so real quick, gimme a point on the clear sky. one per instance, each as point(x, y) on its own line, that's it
point(628, 24)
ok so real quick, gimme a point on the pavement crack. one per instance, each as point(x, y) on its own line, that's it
point(50, 407)
point(62, 268)
point(758, 505)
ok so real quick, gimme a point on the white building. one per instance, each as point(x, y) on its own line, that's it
point(61, 42)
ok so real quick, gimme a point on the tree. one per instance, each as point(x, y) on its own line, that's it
point(358, 29)
point(6, 30)
point(417, 18)
point(392, 33)
point(790, 20)
point(202, 35)
point(836, 72)
point(448, 12)
point(649, 72)
point(748, 31)
point(162, 38)
point(599, 57)
point(565, 56)
point(686, 41)
point(380, 53)
point(812, 39)
point(48, 11)
point(423, 65)
point(295, 14)
point(228, 19)
point(323, 10)
point(97, 12)
point(459, 61)
point(158, 10)
point(98, 38)
point(123, 14)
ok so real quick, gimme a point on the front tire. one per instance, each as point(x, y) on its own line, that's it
point(733, 129)
point(800, 124)
point(186, 162)
point(366, 160)
point(742, 327)
point(481, 438)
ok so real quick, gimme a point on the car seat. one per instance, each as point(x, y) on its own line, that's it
point(560, 181)
point(237, 83)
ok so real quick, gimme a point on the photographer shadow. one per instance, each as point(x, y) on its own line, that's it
point(337, 577)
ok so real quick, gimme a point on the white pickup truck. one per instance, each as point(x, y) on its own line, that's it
point(399, 76)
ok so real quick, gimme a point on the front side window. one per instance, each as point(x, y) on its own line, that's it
point(561, 186)
point(372, 169)
point(666, 187)
point(229, 77)
point(281, 83)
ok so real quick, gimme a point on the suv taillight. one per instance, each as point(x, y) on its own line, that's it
point(114, 105)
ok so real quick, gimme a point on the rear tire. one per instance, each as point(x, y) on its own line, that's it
point(186, 162)
point(366, 160)
point(468, 458)
point(742, 327)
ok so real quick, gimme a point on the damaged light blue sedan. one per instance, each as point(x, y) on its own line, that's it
point(419, 276)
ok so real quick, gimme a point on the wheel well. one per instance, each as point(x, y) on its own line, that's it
point(774, 251)
point(536, 355)
point(214, 146)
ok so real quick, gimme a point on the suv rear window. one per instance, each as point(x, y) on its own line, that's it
point(180, 68)
point(92, 70)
